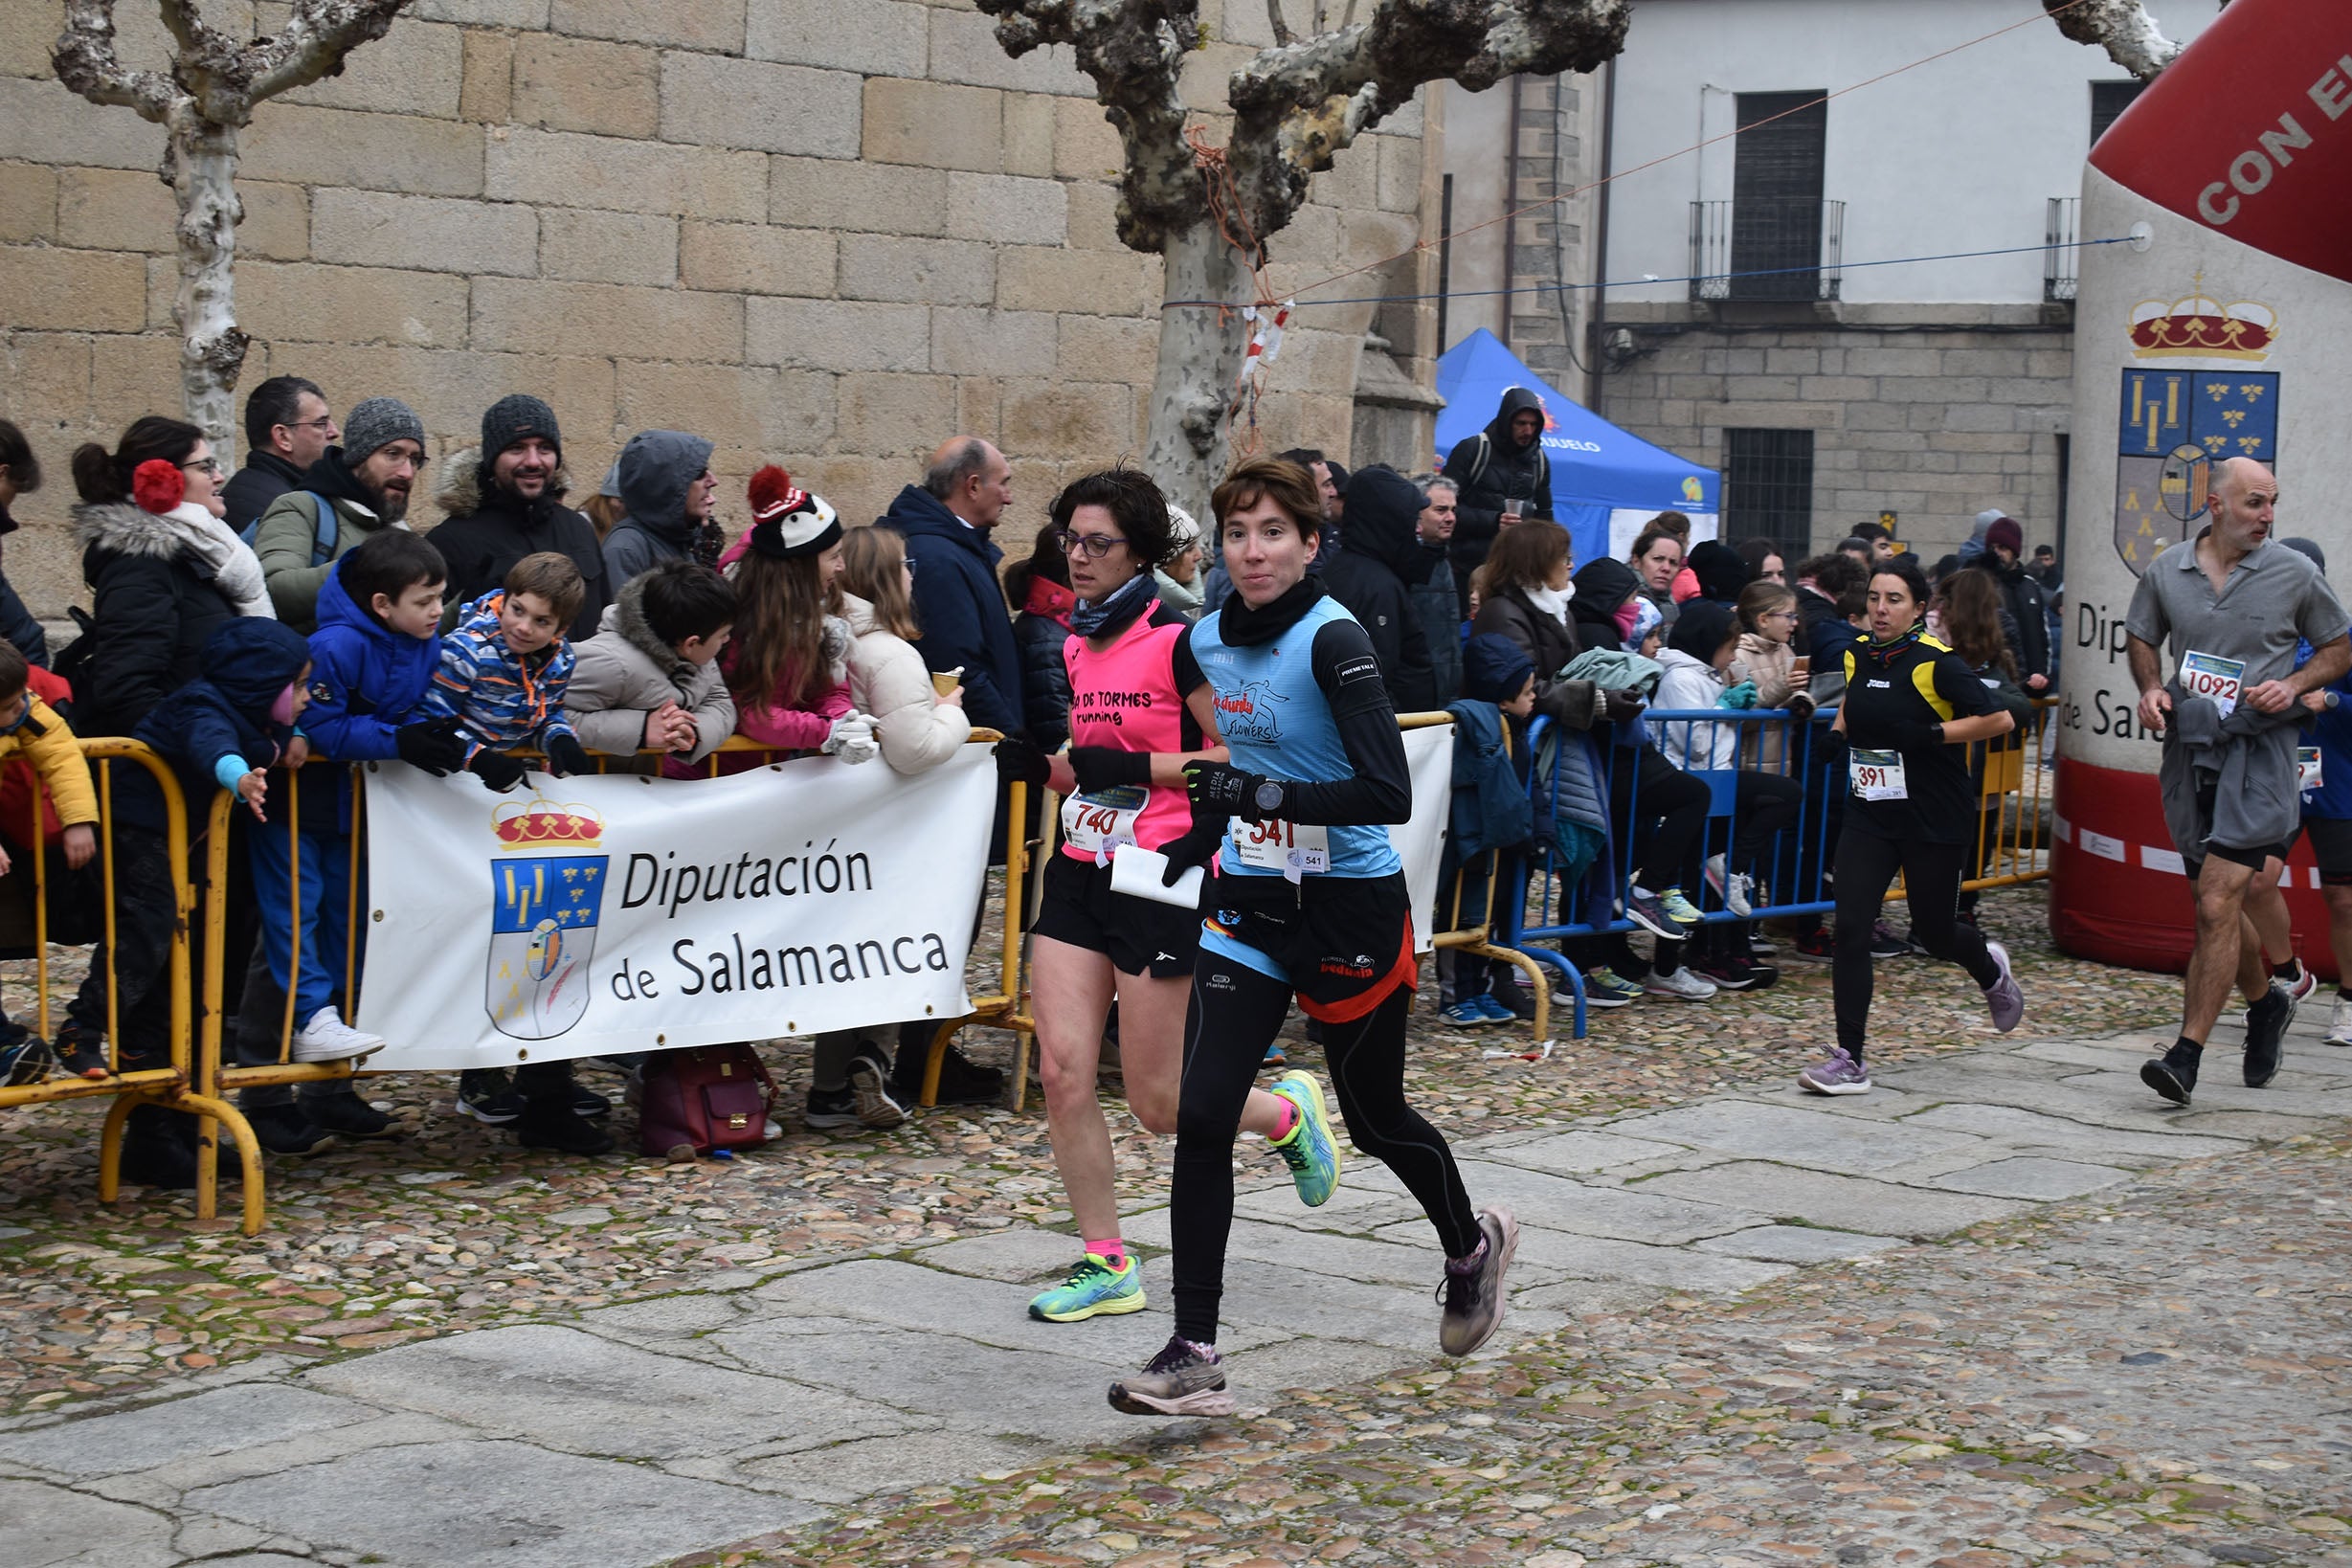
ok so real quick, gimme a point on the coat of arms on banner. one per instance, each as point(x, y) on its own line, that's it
point(2174, 424)
point(543, 916)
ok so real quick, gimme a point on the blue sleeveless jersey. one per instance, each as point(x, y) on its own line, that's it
point(1272, 715)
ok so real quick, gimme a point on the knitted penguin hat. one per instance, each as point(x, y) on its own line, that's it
point(788, 520)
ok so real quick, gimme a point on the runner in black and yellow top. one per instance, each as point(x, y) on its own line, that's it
point(1912, 705)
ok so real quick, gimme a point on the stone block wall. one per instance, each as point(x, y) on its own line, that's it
point(823, 233)
point(1933, 412)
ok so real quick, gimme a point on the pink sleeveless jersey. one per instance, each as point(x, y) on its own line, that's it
point(1126, 697)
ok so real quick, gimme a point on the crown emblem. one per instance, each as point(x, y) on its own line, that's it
point(2200, 325)
point(538, 823)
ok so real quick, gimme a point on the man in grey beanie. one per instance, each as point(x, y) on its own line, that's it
point(511, 506)
point(354, 490)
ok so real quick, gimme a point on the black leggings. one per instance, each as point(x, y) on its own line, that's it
point(1672, 800)
point(1234, 1014)
point(1866, 868)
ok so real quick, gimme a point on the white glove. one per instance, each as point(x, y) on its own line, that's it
point(852, 739)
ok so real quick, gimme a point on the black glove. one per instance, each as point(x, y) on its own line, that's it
point(496, 768)
point(431, 744)
point(567, 757)
point(1017, 759)
point(1105, 767)
point(1222, 790)
point(1619, 704)
point(1198, 847)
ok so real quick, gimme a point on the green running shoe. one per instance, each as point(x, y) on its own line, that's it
point(1678, 908)
point(1309, 1148)
point(1093, 1289)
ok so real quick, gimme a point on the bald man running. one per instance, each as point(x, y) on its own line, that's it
point(2231, 606)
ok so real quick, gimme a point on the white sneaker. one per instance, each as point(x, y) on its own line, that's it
point(2340, 1022)
point(327, 1037)
point(1684, 983)
point(1738, 894)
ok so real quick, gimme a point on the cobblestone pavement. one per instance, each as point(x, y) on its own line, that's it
point(454, 1227)
point(2005, 1310)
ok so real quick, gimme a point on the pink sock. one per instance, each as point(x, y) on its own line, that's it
point(1289, 1119)
point(1111, 1250)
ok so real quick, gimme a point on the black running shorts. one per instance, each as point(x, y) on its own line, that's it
point(1139, 935)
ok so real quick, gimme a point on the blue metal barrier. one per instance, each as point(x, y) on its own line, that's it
point(1790, 870)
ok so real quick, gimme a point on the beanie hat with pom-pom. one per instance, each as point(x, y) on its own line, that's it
point(158, 485)
point(787, 521)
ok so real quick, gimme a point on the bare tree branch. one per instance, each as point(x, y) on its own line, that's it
point(1279, 23)
point(1134, 51)
point(1298, 104)
point(203, 103)
point(2123, 28)
point(86, 62)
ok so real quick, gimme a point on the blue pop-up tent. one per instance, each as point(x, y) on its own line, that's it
point(1605, 484)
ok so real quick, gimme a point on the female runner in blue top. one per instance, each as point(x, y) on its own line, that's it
point(1309, 900)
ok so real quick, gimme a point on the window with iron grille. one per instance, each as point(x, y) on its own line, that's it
point(1768, 485)
point(2108, 102)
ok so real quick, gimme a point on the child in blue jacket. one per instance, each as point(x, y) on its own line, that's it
point(373, 660)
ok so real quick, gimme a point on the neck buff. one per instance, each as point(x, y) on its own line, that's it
point(1885, 652)
point(1049, 599)
point(1109, 617)
point(1242, 627)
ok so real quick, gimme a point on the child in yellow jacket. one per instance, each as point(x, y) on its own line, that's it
point(30, 731)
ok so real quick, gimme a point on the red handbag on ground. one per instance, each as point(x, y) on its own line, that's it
point(703, 1098)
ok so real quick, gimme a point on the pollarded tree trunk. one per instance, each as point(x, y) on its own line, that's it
point(1184, 438)
point(201, 164)
point(204, 103)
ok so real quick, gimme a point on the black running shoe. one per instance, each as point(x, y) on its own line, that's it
point(1473, 1289)
point(962, 1082)
point(284, 1130)
point(488, 1096)
point(28, 1059)
point(80, 1056)
point(551, 1124)
point(2265, 1034)
point(348, 1115)
point(1183, 1379)
point(2172, 1075)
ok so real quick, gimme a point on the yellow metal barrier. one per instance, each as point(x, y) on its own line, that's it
point(179, 1085)
point(2013, 801)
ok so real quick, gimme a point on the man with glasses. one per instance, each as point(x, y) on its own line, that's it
point(287, 428)
point(353, 491)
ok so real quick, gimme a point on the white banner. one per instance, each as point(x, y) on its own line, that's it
point(1421, 843)
point(599, 915)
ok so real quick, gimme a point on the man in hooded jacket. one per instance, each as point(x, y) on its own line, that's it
point(1380, 559)
point(1501, 466)
point(666, 484)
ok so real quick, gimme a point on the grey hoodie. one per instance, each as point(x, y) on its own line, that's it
point(656, 467)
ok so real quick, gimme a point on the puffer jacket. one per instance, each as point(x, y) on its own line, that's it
point(156, 600)
point(1439, 605)
point(1041, 629)
point(366, 680)
point(624, 673)
point(1769, 665)
point(245, 664)
point(488, 532)
point(44, 741)
point(887, 680)
point(1550, 645)
point(499, 697)
point(1689, 682)
point(655, 468)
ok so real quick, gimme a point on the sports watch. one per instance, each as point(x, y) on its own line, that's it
point(1269, 797)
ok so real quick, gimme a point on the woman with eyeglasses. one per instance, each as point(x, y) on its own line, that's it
point(164, 571)
point(1140, 711)
point(1309, 902)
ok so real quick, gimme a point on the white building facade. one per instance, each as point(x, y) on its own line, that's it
point(1816, 327)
